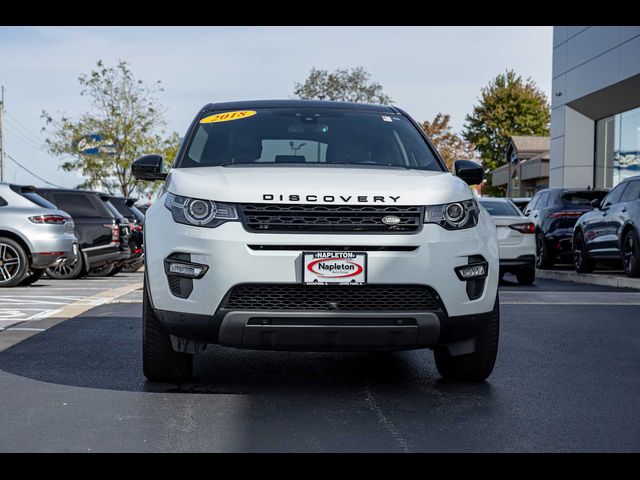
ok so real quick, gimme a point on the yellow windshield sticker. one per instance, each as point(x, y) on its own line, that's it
point(228, 116)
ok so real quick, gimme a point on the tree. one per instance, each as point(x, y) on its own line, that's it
point(508, 106)
point(125, 122)
point(450, 145)
point(348, 85)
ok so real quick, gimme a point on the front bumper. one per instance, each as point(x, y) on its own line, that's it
point(225, 250)
point(322, 331)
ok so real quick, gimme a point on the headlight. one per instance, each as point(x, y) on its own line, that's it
point(453, 216)
point(201, 213)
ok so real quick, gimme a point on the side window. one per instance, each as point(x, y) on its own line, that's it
point(532, 204)
point(542, 203)
point(614, 195)
point(632, 192)
point(3, 202)
point(551, 201)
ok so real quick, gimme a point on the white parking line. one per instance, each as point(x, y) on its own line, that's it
point(15, 319)
point(12, 314)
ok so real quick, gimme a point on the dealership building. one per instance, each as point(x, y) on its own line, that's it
point(595, 102)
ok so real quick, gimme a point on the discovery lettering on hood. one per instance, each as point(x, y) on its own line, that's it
point(270, 197)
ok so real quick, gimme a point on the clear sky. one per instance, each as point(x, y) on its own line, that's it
point(425, 70)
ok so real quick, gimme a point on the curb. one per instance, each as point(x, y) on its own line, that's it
point(590, 278)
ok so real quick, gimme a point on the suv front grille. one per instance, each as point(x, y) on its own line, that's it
point(298, 297)
point(259, 217)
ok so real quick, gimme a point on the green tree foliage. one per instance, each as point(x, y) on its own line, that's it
point(508, 106)
point(450, 145)
point(348, 85)
point(127, 115)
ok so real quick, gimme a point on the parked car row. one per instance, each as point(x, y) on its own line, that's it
point(66, 234)
point(586, 226)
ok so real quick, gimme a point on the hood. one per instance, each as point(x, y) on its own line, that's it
point(312, 184)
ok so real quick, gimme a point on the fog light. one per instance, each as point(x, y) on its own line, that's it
point(471, 272)
point(185, 269)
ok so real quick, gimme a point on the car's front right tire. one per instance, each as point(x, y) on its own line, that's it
point(476, 366)
point(160, 362)
point(544, 258)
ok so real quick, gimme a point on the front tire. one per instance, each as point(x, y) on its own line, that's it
point(631, 254)
point(582, 263)
point(160, 362)
point(526, 276)
point(13, 262)
point(476, 366)
point(543, 256)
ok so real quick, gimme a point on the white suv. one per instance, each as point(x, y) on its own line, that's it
point(316, 226)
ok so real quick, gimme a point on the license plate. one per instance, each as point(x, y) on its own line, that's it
point(334, 268)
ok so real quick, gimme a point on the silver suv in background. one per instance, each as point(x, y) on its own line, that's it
point(34, 235)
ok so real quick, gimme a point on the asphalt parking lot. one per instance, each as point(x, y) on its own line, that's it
point(566, 379)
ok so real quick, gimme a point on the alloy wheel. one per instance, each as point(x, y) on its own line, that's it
point(9, 262)
point(539, 252)
point(64, 269)
point(628, 252)
point(577, 253)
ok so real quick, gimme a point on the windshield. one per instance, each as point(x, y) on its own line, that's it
point(308, 136)
point(498, 208)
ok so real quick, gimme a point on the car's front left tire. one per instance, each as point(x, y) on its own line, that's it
point(160, 362)
point(544, 258)
point(631, 254)
point(582, 263)
point(476, 366)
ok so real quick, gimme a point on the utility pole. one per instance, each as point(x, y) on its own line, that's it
point(1, 136)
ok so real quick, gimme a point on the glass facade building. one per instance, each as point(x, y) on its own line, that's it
point(617, 148)
point(595, 106)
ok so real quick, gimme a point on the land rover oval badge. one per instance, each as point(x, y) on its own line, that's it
point(391, 220)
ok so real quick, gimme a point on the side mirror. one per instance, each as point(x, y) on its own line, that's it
point(149, 167)
point(596, 202)
point(470, 172)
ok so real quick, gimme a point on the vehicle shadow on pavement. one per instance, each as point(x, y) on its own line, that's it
point(104, 351)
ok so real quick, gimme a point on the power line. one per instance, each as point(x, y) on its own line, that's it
point(30, 172)
point(22, 137)
point(25, 156)
point(21, 125)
